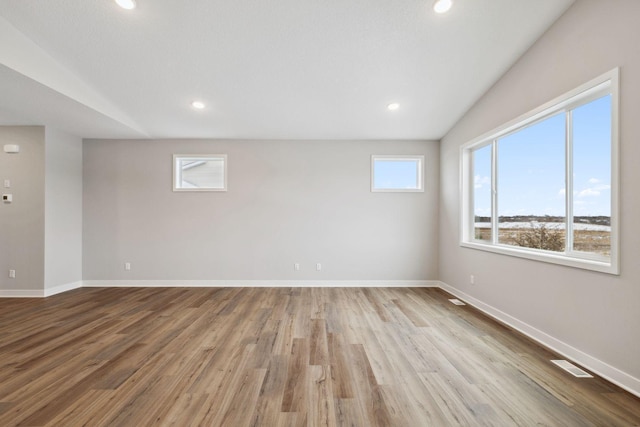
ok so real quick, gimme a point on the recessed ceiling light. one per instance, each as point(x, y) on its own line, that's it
point(442, 6)
point(393, 106)
point(198, 105)
point(127, 4)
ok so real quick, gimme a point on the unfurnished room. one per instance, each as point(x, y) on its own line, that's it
point(302, 213)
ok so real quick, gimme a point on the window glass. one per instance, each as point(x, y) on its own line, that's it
point(482, 193)
point(200, 172)
point(531, 182)
point(397, 173)
point(592, 177)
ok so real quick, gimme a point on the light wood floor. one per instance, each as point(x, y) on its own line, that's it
point(280, 357)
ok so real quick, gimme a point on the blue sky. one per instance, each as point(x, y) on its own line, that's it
point(531, 163)
point(393, 173)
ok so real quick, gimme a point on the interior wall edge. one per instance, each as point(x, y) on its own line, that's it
point(62, 288)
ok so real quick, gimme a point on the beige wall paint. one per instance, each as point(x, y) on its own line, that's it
point(63, 209)
point(22, 222)
point(287, 202)
point(593, 312)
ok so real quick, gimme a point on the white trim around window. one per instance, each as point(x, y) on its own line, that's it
point(397, 173)
point(199, 172)
point(604, 85)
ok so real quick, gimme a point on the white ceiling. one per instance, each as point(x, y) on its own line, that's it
point(270, 69)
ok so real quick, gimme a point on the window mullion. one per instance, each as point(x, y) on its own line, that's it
point(494, 192)
point(568, 194)
point(472, 209)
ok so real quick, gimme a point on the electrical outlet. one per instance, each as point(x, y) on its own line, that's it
point(472, 279)
point(12, 274)
point(7, 183)
point(318, 266)
point(296, 266)
point(127, 266)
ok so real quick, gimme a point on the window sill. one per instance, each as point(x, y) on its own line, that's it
point(608, 267)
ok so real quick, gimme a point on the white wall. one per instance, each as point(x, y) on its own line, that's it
point(22, 222)
point(63, 210)
point(288, 202)
point(595, 314)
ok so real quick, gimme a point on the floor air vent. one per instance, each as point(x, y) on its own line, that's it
point(456, 301)
point(572, 369)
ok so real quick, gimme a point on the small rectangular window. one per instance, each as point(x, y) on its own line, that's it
point(200, 172)
point(397, 173)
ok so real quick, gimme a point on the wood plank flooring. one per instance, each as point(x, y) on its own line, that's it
point(282, 357)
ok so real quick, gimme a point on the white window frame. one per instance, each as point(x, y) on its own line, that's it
point(606, 84)
point(176, 172)
point(418, 158)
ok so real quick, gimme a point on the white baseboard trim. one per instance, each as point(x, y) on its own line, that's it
point(39, 293)
point(62, 288)
point(602, 369)
point(259, 283)
point(19, 293)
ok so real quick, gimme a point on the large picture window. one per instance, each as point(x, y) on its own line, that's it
point(545, 185)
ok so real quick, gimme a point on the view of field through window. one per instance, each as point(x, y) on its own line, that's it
point(531, 183)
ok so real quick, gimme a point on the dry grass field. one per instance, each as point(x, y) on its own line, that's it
point(594, 241)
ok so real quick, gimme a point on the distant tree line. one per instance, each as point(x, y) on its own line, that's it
point(598, 220)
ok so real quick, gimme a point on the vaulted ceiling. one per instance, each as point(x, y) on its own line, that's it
point(271, 69)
